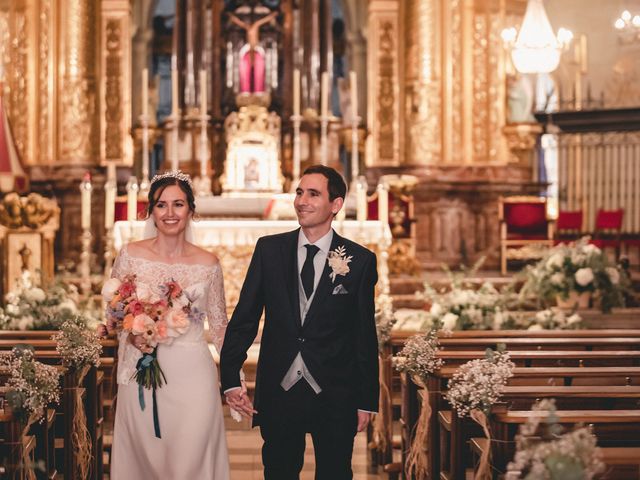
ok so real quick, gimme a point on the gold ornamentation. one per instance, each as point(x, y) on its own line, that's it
point(19, 72)
point(521, 139)
point(32, 211)
point(402, 259)
point(113, 99)
point(480, 87)
point(386, 97)
point(44, 98)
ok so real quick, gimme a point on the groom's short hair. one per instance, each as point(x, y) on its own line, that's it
point(336, 184)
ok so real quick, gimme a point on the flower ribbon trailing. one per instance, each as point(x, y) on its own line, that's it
point(144, 363)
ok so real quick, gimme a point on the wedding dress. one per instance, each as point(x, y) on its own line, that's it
point(192, 443)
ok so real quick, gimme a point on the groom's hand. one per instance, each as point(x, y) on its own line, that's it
point(239, 401)
point(363, 420)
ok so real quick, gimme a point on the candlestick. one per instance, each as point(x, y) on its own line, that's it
point(324, 98)
point(353, 87)
point(132, 199)
point(296, 92)
point(383, 204)
point(203, 91)
point(361, 199)
point(85, 201)
point(145, 92)
point(174, 88)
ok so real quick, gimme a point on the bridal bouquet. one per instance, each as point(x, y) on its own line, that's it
point(157, 314)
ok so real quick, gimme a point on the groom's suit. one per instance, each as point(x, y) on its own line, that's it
point(336, 340)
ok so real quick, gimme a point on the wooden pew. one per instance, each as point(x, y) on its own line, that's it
point(14, 446)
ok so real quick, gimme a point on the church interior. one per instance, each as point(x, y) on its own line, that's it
point(491, 150)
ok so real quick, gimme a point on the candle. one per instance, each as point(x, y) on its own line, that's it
point(174, 88)
point(110, 188)
point(383, 204)
point(361, 201)
point(145, 94)
point(85, 201)
point(584, 59)
point(203, 92)
point(353, 86)
point(296, 92)
point(132, 199)
point(324, 99)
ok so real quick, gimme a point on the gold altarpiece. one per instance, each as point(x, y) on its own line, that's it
point(67, 83)
point(436, 109)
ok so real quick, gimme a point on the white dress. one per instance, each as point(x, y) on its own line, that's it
point(193, 444)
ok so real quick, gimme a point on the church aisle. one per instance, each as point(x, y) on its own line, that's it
point(246, 464)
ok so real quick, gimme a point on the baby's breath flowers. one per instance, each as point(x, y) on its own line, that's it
point(418, 357)
point(544, 452)
point(77, 345)
point(479, 383)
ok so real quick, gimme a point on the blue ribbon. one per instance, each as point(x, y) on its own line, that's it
point(144, 363)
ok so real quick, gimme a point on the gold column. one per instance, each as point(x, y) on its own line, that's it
point(78, 132)
point(116, 143)
point(423, 84)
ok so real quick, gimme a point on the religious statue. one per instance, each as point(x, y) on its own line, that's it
point(520, 97)
point(252, 61)
point(25, 256)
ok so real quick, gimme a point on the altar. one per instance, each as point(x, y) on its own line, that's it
point(234, 241)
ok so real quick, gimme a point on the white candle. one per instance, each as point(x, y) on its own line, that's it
point(353, 87)
point(383, 204)
point(110, 188)
point(174, 89)
point(85, 202)
point(203, 92)
point(324, 99)
point(145, 94)
point(132, 199)
point(361, 201)
point(296, 92)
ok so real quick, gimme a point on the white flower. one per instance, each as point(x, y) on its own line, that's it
point(591, 249)
point(12, 309)
point(35, 295)
point(498, 320)
point(25, 323)
point(555, 260)
point(110, 288)
point(535, 326)
point(575, 318)
point(557, 278)
point(144, 292)
point(614, 275)
point(436, 310)
point(584, 276)
point(68, 304)
point(449, 321)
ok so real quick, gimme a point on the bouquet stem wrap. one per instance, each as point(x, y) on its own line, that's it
point(484, 467)
point(381, 432)
point(417, 462)
point(150, 375)
point(80, 437)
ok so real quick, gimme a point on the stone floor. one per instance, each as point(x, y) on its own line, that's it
point(246, 463)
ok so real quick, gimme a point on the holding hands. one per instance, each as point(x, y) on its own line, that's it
point(238, 400)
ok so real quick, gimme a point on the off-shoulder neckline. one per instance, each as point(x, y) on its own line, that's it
point(125, 250)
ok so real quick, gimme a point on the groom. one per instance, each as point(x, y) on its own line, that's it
point(318, 365)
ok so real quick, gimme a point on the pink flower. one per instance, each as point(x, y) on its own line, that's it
point(162, 333)
point(102, 331)
point(159, 308)
point(135, 307)
point(140, 322)
point(173, 289)
point(127, 289)
point(177, 321)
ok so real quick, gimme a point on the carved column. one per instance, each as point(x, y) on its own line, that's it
point(78, 134)
point(422, 82)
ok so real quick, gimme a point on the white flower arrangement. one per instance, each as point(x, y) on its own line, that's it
point(385, 319)
point(77, 345)
point(478, 384)
point(419, 356)
point(579, 267)
point(339, 262)
point(32, 307)
point(544, 452)
point(32, 385)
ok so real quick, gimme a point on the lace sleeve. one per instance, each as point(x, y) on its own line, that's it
point(217, 308)
point(128, 355)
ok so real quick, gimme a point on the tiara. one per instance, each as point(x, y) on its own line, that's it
point(178, 175)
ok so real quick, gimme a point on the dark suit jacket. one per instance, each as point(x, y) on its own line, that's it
point(338, 340)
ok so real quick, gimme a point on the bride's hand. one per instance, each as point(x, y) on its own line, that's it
point(238, 400)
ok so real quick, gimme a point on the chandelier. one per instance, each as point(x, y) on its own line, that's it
point(535, 48)
point(628, 27)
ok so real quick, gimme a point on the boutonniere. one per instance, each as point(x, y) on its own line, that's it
point(338, 261)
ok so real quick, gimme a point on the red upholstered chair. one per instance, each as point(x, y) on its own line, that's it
point(608, 229)
point(120, 210)
point(524, 225)
point(568, 226)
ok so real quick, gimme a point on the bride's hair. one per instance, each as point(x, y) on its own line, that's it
point(158, 185)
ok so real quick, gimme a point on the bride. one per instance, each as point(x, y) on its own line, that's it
point(192, 443)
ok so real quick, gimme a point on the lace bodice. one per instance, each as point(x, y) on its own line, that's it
point(203, 284)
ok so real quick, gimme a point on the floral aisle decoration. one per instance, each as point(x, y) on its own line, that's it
point(544, 451)
point(419, 359)
point(158, 314)
point(385, 319)
point(475, 387)
point(549, 319)
point(568, 271)
point(32, 386)
point(80, 349)
point(33, 306)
